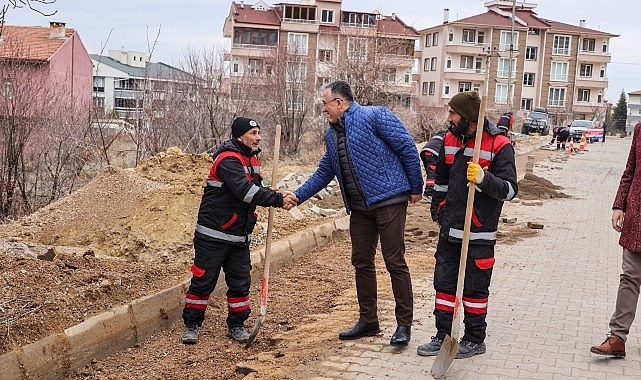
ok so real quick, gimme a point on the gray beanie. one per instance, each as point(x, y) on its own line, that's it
point(466, 104)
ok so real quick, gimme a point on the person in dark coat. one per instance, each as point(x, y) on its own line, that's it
point(626, 219)
point(562, 136)
point(226, 219)
point(429, 156)
point(373, 156)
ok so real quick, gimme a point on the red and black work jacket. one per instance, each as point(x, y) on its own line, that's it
point(449, 199)
point(234, 188)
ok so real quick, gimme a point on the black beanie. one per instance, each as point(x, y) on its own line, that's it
point(241, 125)
point(466, 104)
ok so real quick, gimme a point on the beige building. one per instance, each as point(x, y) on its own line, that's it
point(317, 42)
point(533, 62)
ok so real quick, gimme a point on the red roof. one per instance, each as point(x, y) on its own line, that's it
point(245, 14)
point(30, 42)
point(635, 92)
point(394, 25)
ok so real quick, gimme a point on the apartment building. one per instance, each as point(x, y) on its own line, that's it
point(634, 110)
point(316, 42)
point(529, 61)
point(125, 84)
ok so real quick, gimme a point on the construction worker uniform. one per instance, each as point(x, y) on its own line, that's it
point(448, 208)
point(429, 157)
point(226, 219)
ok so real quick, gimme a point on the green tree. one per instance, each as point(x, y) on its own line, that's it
point(620, 113)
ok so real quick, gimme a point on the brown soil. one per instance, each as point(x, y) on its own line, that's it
point(533, 187)
point(128, 234)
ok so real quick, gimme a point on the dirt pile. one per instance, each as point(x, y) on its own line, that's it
point(532, 187)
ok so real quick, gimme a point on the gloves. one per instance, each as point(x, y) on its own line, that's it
point(475, 173)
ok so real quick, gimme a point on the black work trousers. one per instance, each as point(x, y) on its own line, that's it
point(366, 227)
point(210, 256)
point(478, 274)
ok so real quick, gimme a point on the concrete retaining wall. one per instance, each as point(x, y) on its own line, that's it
point(55, 356)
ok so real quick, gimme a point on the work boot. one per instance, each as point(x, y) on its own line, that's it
point(612, 346)
point(238, 333)
point(360, 330)
point(467, 349)
point(431, 348)
point(190, 336)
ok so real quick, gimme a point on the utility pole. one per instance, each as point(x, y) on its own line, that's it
point(509, 80)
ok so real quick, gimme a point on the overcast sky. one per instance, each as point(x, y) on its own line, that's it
point(198, 24)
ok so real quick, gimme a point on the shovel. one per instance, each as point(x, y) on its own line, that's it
point(268, 247)
point(448, 350)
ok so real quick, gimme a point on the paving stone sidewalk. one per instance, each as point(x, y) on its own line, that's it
point(551, 296)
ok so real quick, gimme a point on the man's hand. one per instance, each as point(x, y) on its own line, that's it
point(617, 219)
point(475, 173)
point(415, 198)
point(289, 200)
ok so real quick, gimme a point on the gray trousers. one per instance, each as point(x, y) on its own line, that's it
point(366, 227)
point(627, 296)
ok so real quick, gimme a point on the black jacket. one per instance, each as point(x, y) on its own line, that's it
point(234, 188)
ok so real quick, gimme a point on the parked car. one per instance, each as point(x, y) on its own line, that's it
point(536, 121)
point(578, 127)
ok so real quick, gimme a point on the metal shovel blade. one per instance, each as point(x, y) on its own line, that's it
point(445, 357)
point(254, 333)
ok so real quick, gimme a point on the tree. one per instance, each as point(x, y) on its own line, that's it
point(620, 113)
point(34, 5)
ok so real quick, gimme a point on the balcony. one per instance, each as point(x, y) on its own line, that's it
point(594, 57)
point(591, 82)
point(299, 25)
point(465, 48)
point(465, 74)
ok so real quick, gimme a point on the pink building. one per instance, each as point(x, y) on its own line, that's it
point(50, 65)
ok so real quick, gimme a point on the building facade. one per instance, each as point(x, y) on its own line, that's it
point(316, 42)
point(634, 110)
point(44, 67)
point(127, 86)
point(529, 61)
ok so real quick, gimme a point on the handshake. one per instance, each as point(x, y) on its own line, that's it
point(289, 198)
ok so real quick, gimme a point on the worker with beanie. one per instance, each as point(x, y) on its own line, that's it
point(494, 178)
point(226, 219)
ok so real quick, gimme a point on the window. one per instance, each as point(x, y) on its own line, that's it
point(559, 71)
point(435, 39)
point(478, 64)
point(588, 44)
point(357, 48)
point(388, 74)
point(428, 40)
point(605, 47)
point(325, 55)
point(481, 37)
point(327, 16)
point(358, 19)
point(530, 53)
point(467, 62)
point(250, 36)
point(7, 90)
point(469, 36)
point(509, 40)
point(556, 97)
point(235, 67)
point(98, 102)
point(448, 63)
point(561, 45)
point(426, 64)
point(295, 99)
point(424, 88)
point(255, 66)
point(503, 70)
point(98, 84)
point(526, 104)
point(407, 78)
point(464, 86)
point(585, 71)
point(528, 79)
point(501, 94)
point(433, 64)
point(297, 43)
point(450, 36)
point(533, 31)
point(432, 88)
point(296, 72)
point(446, 89)
point(583, 95)
point(602, 73)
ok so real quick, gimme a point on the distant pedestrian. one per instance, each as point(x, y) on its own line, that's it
point(605, 130)
point(626, 219)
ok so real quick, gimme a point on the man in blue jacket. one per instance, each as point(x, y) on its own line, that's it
point(377, 165)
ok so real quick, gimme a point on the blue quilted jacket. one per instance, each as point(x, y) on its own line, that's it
point(384, 155)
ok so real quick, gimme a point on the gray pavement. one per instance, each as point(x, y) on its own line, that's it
point(551, 295)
